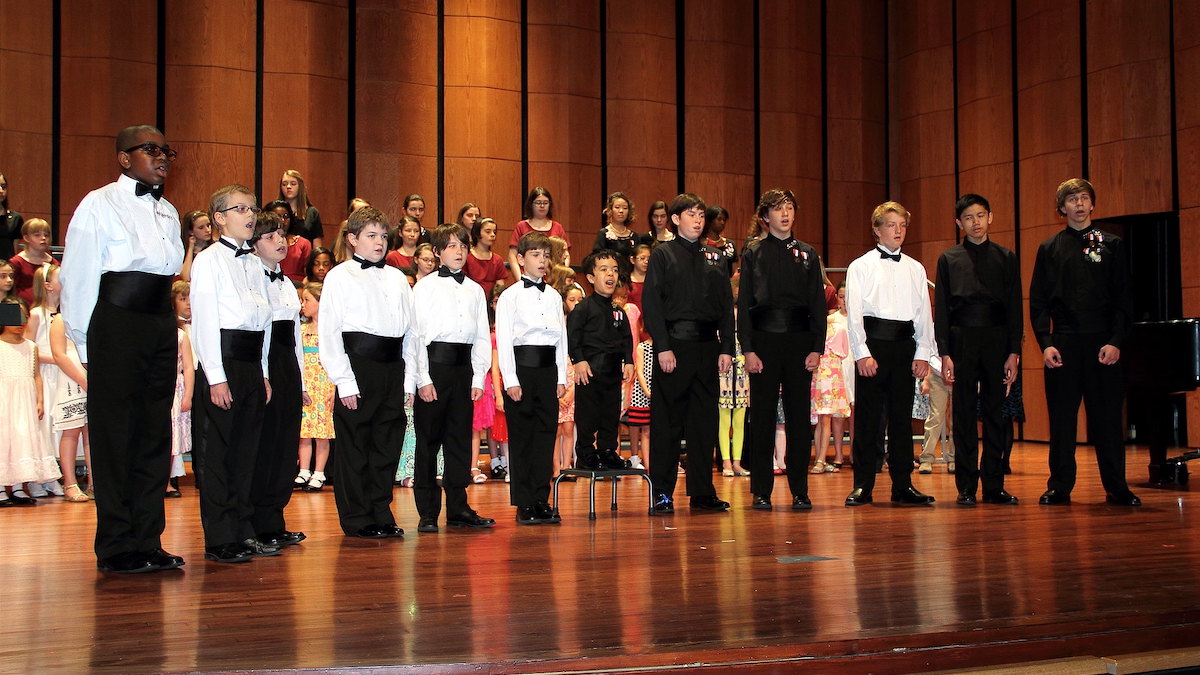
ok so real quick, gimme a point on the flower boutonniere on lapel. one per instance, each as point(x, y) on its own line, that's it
point(1094, 247)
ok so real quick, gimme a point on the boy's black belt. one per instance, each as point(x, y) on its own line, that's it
point(535, 356)
point(283, 333)
point(887, 329)
point(241, 345)
point(979, 316)
point(780, 320)
point(374, 347)
point(450, 353)
point(606, 363)
point(692, 331)
point(140, 292)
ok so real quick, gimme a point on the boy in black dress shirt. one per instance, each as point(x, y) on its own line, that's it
point(601, 346)
point(688, 305)
point(531, 344)
point(1080, 308)
point(977, 323)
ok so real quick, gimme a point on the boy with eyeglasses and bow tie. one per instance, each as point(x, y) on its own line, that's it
point(451, 353)
point(890, 327)
point(366, 324)
point(122, 252)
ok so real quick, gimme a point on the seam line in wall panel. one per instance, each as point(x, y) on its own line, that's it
point(1174, 110)
point(1085, 158)
point(680, 110)
point(954, 104)
point(524, 97)
point(441, 111)
point(55, 118)
point(259, 40)
point(887, 96)
point(160, 69)
point(758, 99)
point(825, 131)
point(1016, 151)
point(352, 101)
point(603, 7)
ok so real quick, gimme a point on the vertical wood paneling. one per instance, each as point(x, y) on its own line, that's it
point(25, 116)
point(564, 116)
point(1187, 130)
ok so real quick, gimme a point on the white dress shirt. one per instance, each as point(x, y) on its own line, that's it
point(887, 289)
point(114, 230)
point(527, 316)
point(447, 311)
point(228, 291)
point(285, 306)
point(376, 300)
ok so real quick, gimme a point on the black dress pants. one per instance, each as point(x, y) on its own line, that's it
point(783, 365)
point(275, 466)
point(890, 390)
point(444, 423)
point(683, 406)
point(532, 427)
point(979, 355)
point(597, 413)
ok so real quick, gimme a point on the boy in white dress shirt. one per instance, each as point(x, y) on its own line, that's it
point(231, 328)
point(366, 322)
point(451, 354)
point(531, 344)
point(891, 338)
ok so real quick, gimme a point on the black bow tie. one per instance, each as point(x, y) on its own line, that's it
point(540, 285)
point(274, 276)
point(890, 256)
point(237, 252)
point(144, 189)
point(444, 271)
point(367, 264)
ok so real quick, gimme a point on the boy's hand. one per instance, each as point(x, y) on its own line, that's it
point(1109, 355)
point(627, 372)
point(948, 370)
point(1010, 369)
point(351, 402)
point(220, 395)
point(267, 386)
point(560, 391)
point(867, 366)
point(812, 361)
point(920, 369)
point(427, 393)
point(305, 398)
point(666, 361)
point(476, 393)
point(1052, 358)
point(408, 399)
point(514, 393)
point(582, 372)
point(753, 363)
point(724, 363)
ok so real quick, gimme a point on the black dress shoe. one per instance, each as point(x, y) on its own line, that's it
point(762, 502)
point(909, 495)
point(163, 560)
point(130, 562)
point(260, 549)
point(392, 531)
point(21, 501)
point(1000, 497)
point(527, 516)
point(663, 505)
point(546, 513)
point(611, 460)
point(469, 519)
point(859, 497)
point(228, 553)
point(1054, 497)
point(966, 499)
point(709, 503)
point(801, 503)
point(370, 532)
point(427, 525)
point(1126, 498)
point(281, 538)
point(172, 494)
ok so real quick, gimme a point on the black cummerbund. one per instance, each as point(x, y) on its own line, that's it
point(979, 316)
point(534, 356)
point(606, 364)
point(886, 329)
point(780, 320)
point(374, 347)
point(450, 353)
point(283, 333)
point(692, 331)
point(241, 345)
point(140, 292)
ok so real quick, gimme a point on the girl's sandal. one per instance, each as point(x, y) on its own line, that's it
point(76, 496)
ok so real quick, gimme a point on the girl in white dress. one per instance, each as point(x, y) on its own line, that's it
point(45, 306)
point(69, 413)
point(22, 459)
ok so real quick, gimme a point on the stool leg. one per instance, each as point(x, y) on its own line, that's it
point(556, 482)
point(592, 498)
point(614, 495)
point(650, 489)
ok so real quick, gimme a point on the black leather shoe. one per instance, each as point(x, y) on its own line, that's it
point(21, 501)
point(370, 532)
point(859, 497)
point(130, 562)
point(546, 514)
point(801, 503)
point(1126, 498)
point(228, 553)
point(392, 531)
point(469, 519)
point(966, 499)
point(259, 549)
point(427, 525)
point(762, 502)
point(909, 495)
point(663, 505)
point(590, 463)
point(281, 538)
point(1000, 497)
point(163, 560)
point(709, 503)
point(611, 460)
point(527, 516)
point(1054, 497)
point(172, 494)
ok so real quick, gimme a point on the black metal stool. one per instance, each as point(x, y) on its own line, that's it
point(611, 475)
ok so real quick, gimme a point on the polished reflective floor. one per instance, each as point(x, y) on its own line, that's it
point(880, 588)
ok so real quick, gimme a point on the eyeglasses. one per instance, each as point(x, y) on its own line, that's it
point(541, 203)
point(155, 150)
point(242, 209)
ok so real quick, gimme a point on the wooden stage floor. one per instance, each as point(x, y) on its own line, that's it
point(880, 588)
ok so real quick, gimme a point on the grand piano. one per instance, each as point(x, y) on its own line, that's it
point(1162, 358)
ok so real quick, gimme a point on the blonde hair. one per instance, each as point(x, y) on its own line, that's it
point(41, 277)
point(341, 250)
point(301, 193)
point(888, 207)
point(558, 250)
point(34, 226)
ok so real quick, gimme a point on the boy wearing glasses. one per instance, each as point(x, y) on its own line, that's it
point(451, 353)
point(123, 249)
point(231, 330)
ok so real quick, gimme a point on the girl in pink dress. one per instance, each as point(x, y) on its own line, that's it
point(830, 400)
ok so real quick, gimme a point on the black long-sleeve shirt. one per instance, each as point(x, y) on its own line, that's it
point(1081, 284)
point(781, 274)
point(595, 327)
point(686, 280)
point(978, 277)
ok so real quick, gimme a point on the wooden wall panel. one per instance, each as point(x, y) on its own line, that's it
point(857, 68)
point(719, 117)
point(304, 93)
point(108, 83)
point(1187, 129)
point(640, 108)
point(1129, 113)
point(790, 110)
point(483, 108)
point(564, 116)
point(25, 118)
point(396, 105)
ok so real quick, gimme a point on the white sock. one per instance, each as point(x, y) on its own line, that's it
point(305, 474)
point(496, 461)
point(319, 475)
